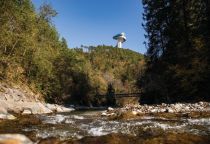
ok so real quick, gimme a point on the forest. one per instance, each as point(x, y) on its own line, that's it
point(178, 51)
point(32, 52)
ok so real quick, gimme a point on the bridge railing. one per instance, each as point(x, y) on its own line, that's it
point(117, 95)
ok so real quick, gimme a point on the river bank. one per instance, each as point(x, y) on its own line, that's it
point(164, 110)
point(21, 100)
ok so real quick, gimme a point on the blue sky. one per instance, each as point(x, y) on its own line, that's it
point(95, 22)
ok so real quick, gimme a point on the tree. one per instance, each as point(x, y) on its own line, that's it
point(177, 60)
point(46, 12)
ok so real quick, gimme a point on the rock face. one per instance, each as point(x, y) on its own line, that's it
point(15, 99)
point(14, 139)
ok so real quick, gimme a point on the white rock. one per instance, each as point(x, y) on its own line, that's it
point(59, 109)
point(154, 110)
point(26, 112)
point(162, 110)
point(110, 109)
point(103, 114)
point(52, 107)
point(67, 109)
point(110, 114)
point(11, 117)
point(14, 139)
point(178, 107)
point(187, 108)
point(134, 112)
point(7, 116)
point(170, 110)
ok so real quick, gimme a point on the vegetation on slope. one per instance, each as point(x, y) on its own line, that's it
point(32, 52)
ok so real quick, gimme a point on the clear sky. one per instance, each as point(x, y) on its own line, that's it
point(95, 22)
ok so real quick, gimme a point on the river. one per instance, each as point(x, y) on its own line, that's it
point(80, 124)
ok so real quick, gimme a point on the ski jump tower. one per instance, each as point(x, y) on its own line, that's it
point(121, 38)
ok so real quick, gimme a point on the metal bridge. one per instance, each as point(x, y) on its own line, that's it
point(120, 95)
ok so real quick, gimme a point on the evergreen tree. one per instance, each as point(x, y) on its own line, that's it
point(177, 59)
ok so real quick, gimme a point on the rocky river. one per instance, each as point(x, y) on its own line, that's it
point(127, 125)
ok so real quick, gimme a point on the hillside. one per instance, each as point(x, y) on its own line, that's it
point(32, 53)
point(119, 67)
point(107, 65)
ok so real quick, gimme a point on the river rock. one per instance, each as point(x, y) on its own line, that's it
point(103, 114)
point(154, 110)
point(134, 112)
point(58, 108)
point(14, 139)
point(7, 116)
point(26, 112)
point(110, 109)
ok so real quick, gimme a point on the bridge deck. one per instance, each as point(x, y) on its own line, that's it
point(123, 95)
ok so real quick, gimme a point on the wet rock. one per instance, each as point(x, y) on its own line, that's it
point(172, 138)
point(108, 139)
point(50, 140)
point(14, 139)
point(123, 116)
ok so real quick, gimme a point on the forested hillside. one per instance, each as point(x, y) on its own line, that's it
point(33, 53)
point(178, 56)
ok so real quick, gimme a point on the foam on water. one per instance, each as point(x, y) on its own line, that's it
point(56, 119)
point(80, 125)
point(77, 117)
point(97, 131)
point(202, 121)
